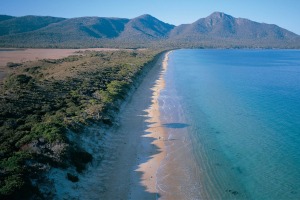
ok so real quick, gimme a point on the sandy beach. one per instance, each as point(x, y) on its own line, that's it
point(128, 155)
point(156, 132)
point(137, 145)
point(127, 158)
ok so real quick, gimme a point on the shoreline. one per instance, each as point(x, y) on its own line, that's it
point(131, 173)
point(116, 172)
point(156, 132)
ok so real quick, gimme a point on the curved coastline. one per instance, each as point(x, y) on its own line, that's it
point(134, 149)
point(132, 174)
point(118, 154)
point(156, 132)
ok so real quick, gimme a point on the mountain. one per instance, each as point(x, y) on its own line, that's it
point(218, 30)
point(5, 17)
point(146, 27)
point(12, 25)
point(86, 27)
point(71, 33)
point(225, 28)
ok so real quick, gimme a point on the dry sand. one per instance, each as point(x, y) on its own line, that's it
point(157, 133)
point(127, 158)
point(135, 149)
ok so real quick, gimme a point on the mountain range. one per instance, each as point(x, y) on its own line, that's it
point(218, 30)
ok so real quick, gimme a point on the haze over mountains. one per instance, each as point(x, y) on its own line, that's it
point(218, 30)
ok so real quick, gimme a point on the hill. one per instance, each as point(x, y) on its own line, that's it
point(5, 17)
point(218, 30)
point(12, 25)
point(74, 32)
point(146, 27)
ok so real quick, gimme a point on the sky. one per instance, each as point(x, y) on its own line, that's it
point(285, 13)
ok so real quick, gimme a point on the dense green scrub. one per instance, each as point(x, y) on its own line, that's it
point(42, 100)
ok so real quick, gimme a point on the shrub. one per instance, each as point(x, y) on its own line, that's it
point(11, 184)
point(13, 171)
point(35, 107)
point(12, 64)
point(50, 131)
point(17, 80)
point(116, 87)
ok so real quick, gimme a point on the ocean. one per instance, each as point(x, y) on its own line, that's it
point(233, 124)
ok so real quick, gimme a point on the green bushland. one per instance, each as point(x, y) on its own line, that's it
point(42, 100)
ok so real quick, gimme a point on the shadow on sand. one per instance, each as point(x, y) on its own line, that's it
point(130, 148)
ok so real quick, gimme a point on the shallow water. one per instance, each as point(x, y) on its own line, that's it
point(233, 120)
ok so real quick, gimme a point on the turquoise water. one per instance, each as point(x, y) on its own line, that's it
point(238, 113)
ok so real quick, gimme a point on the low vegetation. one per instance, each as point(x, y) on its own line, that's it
point(41, 101)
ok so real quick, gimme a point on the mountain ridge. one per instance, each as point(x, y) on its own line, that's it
point(228, 31)
point(14, 25)
point(218, 30)
point(146, 26)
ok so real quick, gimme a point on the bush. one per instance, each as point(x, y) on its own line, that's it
point(115, 90)
point(12, 64)
point(50, 131)
point(11, 184)
point(22, 79)
point(17, 80)
point(35, 106)
point(13, 172)
point(12, 164)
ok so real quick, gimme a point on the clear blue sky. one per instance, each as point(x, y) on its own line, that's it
point(285, 13)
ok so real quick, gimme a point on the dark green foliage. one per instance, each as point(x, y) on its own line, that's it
point(49, 131)
point(15, 163)
point(37, 110)
point(17, 81)
point(5, 17)
point(24, 24)
point(12, 64)
point(11, 184)
point(12, 173)
point(115, 90)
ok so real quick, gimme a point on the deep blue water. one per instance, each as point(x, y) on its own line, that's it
point(242, 115)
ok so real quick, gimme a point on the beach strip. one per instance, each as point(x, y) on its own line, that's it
point(135, 148)
point(156, 132)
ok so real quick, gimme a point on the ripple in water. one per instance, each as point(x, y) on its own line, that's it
point(232, 123)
